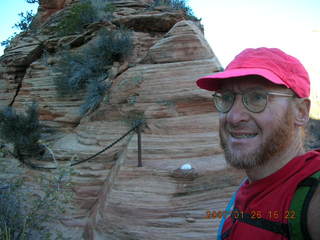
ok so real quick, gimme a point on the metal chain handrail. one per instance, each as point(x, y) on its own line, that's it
point(32, 165)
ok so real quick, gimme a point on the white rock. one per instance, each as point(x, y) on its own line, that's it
point(186, 166)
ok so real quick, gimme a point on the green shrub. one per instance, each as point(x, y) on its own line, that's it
point(178, 5)
point(75, 70)
point(118, 43)
point(7, 42)
point(25, 21)
point(72, 73)
point(95, 93)
point(23, 130)
point(77, 18)
point(110, 46)
point(32, 1)
point(11, 222)
point(24, 214)
point(24, 24)
point(104, 9)
point(82, 14)
point(109, 7)
point(87, 69)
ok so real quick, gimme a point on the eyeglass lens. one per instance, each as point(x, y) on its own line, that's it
point(254, 101)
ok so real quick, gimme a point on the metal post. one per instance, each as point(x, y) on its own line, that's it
point(139, 146)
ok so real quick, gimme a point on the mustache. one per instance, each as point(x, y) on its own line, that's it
point(242, 126)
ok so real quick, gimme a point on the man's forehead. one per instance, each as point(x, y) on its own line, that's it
point(249, 82)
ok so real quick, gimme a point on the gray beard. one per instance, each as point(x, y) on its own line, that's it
point(277, 142)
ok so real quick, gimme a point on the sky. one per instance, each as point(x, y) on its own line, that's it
point(233, 25)
point(9, 16)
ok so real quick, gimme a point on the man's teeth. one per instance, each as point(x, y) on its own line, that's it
point(243, 135)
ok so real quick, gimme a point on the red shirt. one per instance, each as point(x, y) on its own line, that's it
point(269, 198)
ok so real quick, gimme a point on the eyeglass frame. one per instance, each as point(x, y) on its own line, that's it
point(244, 102)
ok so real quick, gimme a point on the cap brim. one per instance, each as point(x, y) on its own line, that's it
point(213, 82)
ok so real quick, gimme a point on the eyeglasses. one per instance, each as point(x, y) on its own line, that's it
point(254, 100)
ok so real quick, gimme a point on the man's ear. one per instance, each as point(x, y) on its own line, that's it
point(301, 110)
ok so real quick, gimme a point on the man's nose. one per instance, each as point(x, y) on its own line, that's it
point(238, 112)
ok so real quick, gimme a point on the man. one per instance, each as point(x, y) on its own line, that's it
point(262, 98)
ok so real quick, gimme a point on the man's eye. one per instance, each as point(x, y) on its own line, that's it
point(256, 97)
point(227, 97)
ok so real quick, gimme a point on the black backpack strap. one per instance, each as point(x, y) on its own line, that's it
point(276, 227)
point(226, 234)
point(228, 231)
point(299, 205)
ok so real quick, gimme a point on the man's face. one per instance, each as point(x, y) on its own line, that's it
point(250, 139)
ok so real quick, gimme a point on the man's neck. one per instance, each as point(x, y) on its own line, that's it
point(276, 162)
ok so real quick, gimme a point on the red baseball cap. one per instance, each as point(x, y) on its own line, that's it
point(270, 63)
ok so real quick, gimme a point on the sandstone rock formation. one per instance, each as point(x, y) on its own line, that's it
point(114, 199)
point(48, 7)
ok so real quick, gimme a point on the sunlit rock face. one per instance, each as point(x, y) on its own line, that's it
point(113, 198)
